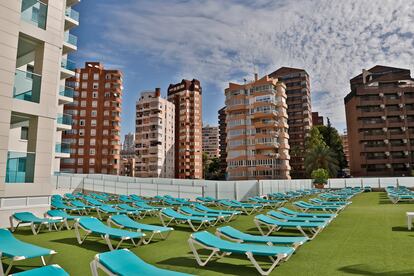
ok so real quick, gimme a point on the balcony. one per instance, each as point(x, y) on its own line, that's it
point(34, 12)
point(27, 86)
point(70, 43)
point(62, 150)
point(65, 95)
point(68, 68)
point(64, 122)
point(20, 167)
point(71, 18)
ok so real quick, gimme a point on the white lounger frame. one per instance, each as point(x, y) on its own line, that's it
point(205, 223)
point(269, 228)
point(144, 241)
point(20, 258)
point(95, 265)
point(106, 238)
point(242, 209)
point(219, 254)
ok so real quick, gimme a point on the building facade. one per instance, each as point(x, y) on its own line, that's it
point(155, 136)
point(257, 130)
point(35, 43)
point(129, 142)
point(211, 141)
point(299, 112)
point(222, 140)
point(96, 121)
point(187, 98)
point(380, 122)
point(345, 145)
point(316, 119)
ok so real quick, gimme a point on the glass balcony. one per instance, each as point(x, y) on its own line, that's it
point(62, 148)
point(34, 12)
point(66, 91)
point(72, 14)
point(64, 119)
point(68, 64)
point(71, 39)
point(27, 86)
point(20, 167)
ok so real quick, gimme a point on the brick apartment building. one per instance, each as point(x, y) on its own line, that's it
point(257, 138)
point(187, 98)
point(95, 135)
point(299, 113)
point(316, 119)
point(155, 136)
point(222, 140)
point(380, 122)
point(211, 141)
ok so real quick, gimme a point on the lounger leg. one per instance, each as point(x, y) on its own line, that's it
point(257, 266)
point(197, 256)
point(94, 268)
point(8, 268)
point(108, 242)
point(78, 235)
point(11, 224)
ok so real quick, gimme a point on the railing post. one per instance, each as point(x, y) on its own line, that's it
point(217, 190)
point(179, 195)
point(235, 190)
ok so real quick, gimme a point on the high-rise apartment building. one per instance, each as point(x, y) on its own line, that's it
point(222, 140)
point(155, 136)
point(211, 141)
point(96, 111)
point(187, 98)
point(257, 130)
point(35, 43)
point(299, 112)
point(345, 145)
point(129, 143)
point(316, 119)
point(380, 122)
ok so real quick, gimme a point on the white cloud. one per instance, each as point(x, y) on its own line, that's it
point(221, 41)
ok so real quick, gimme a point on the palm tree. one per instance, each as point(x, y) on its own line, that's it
point(321, 157)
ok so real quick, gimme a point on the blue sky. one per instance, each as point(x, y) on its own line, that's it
point(158, 42)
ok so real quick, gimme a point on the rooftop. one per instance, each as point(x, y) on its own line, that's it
point(369, 237)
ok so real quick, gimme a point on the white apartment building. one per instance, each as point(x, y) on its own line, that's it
point(211, 141)
point(35, 41)
point(154, 137)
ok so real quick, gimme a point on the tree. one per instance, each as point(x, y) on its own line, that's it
point(315, 139)
point(321, 157)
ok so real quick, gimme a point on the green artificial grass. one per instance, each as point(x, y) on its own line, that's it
point(369, 238)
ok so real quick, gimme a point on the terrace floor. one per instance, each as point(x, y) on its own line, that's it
point(369, 238)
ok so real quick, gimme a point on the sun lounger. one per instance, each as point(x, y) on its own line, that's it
point(124, 221)
point(238, 236)
point(134, 210)
point(50, 270)
point(244, 208)
point(219, 218)
point(305, 215)
point(35, 222)
point(60, 214)
point(221, 248)
point(318, 201)
point(283, 217)
point(124, 262)
point(177, 218)
point(106, 210)
point(80, 204)
point(92, 201)
point(16, 250)
point(93, 226)
point(304, 206)
point(60, 205)
point(267, 225)
point(273, 203)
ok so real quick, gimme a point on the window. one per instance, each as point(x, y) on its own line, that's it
point(80, 161)
point(79, 170)
point(83, 103)
point(93, 122)
point(105, 132)
point(93, 132)
point(84, 85)
point(94, 113)
point(81, 132)
point(96, 76)
point(107, 85)
point(82, 113)
point(91, 161)
point(81, 141)
point(85, 76)
point(94, 103)
point(107, 103)
point(24, 135)
point(105, 142)
point(91, 170)
point(84, 94)
point(106, 123)
point(81, 122)
point(80, 151)
point(107, 94)
point(91, 151)
point(92, 142)
point(95, 85)
point(95, 95)
point(106, 113)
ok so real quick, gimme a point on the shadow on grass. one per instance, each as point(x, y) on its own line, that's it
point(92, 243)
point(246, 268)
point(361, 269)
point(401, 229)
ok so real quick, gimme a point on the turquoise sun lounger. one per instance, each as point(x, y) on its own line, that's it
point(221, 248)
point(124, 262)
point(304, 206)
point(35, 223)
point(283, 217)
point(60, 205)
point(267, 225)
point(106, 210)
point(60, 214)
point(189, 211)
point(177, 218)
point(305, 215)
point(96, 227)
point(206, 209)
point(124, 221)
point(16, 250)
point(50, 270)
point(238, 236)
